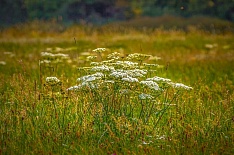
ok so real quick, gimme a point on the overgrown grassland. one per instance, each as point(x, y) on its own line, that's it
point(39, 118)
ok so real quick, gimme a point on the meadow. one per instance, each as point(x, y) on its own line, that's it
point(86, 90)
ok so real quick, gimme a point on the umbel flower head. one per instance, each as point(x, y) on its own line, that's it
point(180, 86)
point(52, 81)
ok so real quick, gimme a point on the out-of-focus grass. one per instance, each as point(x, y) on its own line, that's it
point(201, 122)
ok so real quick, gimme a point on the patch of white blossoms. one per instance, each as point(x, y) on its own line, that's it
point(158, 79)
point(53, 58)
point(57, 55)
point(114, 72)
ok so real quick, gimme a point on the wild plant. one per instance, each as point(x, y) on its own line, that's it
point(122, 96)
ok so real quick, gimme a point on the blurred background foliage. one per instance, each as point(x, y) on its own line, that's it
point(103, 11)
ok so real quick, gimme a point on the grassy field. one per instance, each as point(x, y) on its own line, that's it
point(105, 114)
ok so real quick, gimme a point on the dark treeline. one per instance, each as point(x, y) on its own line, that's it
point(102, 11)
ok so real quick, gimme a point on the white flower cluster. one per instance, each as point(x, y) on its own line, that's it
point(89, 78)
point(45, 62)
point(96, 63)
point(91, 58)
point(125, 64)
point(150, 84)
point(10, 54)
point(99, 50)
point(145, 96)
point(51, 55)
point(130, 79)
point(87, 82)
point(89, 85)
point(114, 55)
point(102, 68)
point(2, 63)
point(158, 79)
point(125, 71)
point(119, 74)
point(138, 56)
point(74, 88)
point(154, 58)
point(180, 86)
point(110, 62)
point(136, 72)
point(52, 80)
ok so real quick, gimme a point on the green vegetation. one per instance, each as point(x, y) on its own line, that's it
point(102, 11)
point(42, 113)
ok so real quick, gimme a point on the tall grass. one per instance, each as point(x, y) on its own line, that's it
point(41, 114)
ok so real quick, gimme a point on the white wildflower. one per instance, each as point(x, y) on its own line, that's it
point(145, 143)
point(61, 55)
point(91, 58)
point(154, 58)
point(47, 54)
point(163, 137)
point(145, 96)
point(45, 62)
point(92, 78)
point(52, 80)
point(117, 74)
point(89, 78)
point(138, 56)
point(180, 86)
point(89, 85)
point(9, 53)
point(51, 55)
point(102, 68)
point(114, 55)
point(83, 85)
point(2, 63)
point(108, 61)
point(130, 79)
point(99, 50)
point(136, 72)
point(74, 88)
point(150, 84)
point(125, 64)
point(95, 63)
point(158, 79)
